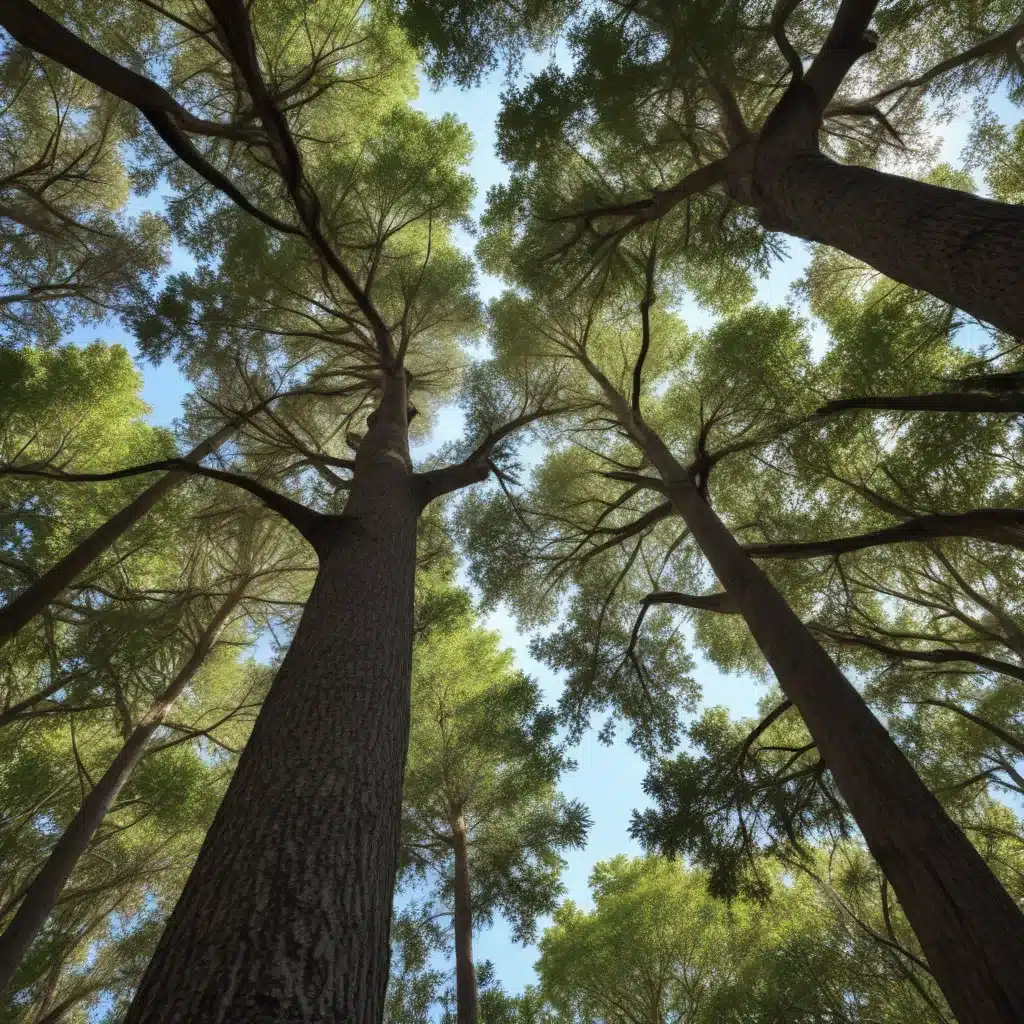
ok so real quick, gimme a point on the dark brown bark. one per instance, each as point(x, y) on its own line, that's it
point(35, 599)
point(951, 401)
point(42, 894)
point(966, 250)
point(465, 972)
point(997, 525)
point(969, 928)
point(286, 915)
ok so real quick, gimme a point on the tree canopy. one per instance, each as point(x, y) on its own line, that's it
point(262, 754)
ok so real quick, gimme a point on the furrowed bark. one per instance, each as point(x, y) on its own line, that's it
point(997, 525)
point(287, 912)
point(962, 248)
point(970, 929)
point(35, 600)
point(465, 972)
point(41, 896)
point(1007, 404)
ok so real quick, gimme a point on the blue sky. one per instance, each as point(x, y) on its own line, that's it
point(608, 779)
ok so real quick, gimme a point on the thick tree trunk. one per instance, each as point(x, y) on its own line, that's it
point(465, 972)
point(41, 896)
point(966, 250)
point(287, 912)
point(36, 599)
point(969, 928)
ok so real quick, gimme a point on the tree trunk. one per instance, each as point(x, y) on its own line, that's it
point(287, 912)
point(465, 972)
point(969, 928)
point(966, 250)
point(42, 895)
point(37, 598)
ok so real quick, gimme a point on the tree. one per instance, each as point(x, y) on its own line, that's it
point(656, 947)
point(647, 402)
point(751, 104)
point(483, 823)
point(68, 252)
point(352, 213)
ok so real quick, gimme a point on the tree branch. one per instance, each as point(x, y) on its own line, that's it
point(304, 519)
point(938, 656)
point(475, 467)
point(1008, 738)
point(720, 602)
point(645, 318)
point(946, 401)
point(991, 524)
point(1002, 42)
point(774, 715)
point(39, 32)
point(233, 18)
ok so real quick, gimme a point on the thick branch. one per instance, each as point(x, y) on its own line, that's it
point(1002, 42)
point(847, 40)
point(641, 211)
point(720, 602)
point(950, 401)
point(992, 524)
point(233, 18)
point(645, 317)
point(475, 467)
point(38, 31)
point(938, 656)
point(305, 520)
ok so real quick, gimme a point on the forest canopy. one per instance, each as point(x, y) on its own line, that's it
point(600, 545)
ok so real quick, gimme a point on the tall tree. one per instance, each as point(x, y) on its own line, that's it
point(656, 947)
point(251, 555)
point(483, 822)
point(350, 198)
point(678, 430)
point(752, 106)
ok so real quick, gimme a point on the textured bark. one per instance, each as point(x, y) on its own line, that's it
point(465, 972)
point(42, 894)
point(966, 250)
point(287, 912)
point(969, 928)
point(35, 600)
point(1011, 404)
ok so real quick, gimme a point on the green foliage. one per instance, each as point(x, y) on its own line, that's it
point(483, 755)
point(656, 946)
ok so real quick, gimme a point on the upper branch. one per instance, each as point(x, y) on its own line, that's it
point(943, 401)
point(38, 31)
point(1002, 42)
point(847, 40)
point(233, 18)
point(304, 519)
point(719, 602)
point(992, 524)
point(645, 317)
point(477, 466)
point(935, 655)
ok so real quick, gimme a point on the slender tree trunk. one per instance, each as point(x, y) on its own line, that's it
point(966, 250)
point(969, 928)
point(41, 896)
point(465, 972)
point(35, 599)
point(287, 912)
